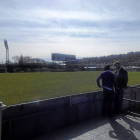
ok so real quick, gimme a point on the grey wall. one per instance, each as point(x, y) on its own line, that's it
point(28, 121)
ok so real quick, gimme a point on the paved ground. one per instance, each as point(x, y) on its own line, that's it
point(121, 127)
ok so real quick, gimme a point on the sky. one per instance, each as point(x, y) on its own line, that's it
point(85, 28)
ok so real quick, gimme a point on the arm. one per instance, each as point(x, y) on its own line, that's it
point(114, 83)
point(125, 78)
point(98, 81)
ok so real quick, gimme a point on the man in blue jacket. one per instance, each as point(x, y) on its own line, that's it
point(108, 85)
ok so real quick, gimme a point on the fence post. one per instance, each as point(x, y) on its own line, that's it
point(2, 107)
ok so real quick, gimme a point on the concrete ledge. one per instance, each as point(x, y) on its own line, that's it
point(53, 120)
point(21, 129)
point(27, 121)
point(99, 107)
point(138, 94)
point(6, 130)
point(125, 104)
point(99, 95)
point(133, 88)
point(83, 111)
point(12, 112)
point(55, 103)
point(35, 107)
point(80, 98)
point(96, 95)
point(127, 95)
point(93, 110)
point(128, 89)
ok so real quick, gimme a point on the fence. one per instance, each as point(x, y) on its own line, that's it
point(131, 97)
point(30, 120)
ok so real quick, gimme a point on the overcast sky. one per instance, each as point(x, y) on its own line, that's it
point(85, 28)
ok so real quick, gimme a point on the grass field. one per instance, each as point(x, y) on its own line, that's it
point(18, 88)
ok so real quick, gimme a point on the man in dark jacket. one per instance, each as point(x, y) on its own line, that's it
point(121, 77)
point(108, 84)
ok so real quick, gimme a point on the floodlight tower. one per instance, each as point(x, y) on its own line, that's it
point(7, 51)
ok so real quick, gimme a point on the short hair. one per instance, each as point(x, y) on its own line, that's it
point(107, 67)
point(117, 62)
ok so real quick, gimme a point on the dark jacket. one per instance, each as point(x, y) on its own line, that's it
point(108, 80)
point(122, 78)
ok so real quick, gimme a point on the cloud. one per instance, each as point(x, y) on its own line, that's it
point(70, 26)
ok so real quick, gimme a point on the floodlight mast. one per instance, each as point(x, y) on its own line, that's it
point(7, 51)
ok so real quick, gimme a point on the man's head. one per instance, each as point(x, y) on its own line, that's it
point(117, 64)
point(107, 67)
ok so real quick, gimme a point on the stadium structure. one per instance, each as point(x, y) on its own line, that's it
point(63, 58)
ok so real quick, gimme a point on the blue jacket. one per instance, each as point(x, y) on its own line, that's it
point(108, 79)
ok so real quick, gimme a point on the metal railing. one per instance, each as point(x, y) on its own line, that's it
point(135, 97)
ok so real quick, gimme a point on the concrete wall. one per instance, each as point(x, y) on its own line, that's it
point(28, 121)
point(138, 94)
point(35, 107)
point(132, 93)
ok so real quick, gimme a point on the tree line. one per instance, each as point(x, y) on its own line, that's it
point(131, 58)
point(29, 64)
point(27, 59)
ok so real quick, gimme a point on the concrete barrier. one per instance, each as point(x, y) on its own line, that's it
point(80, 98)
point(56, 119)
point(2, 108)
point(12, 112)
point(24, 128)
point(138, 94)
point(97, 99)
point(35, 107)
point(134, 88)
point(99, 95)
point(83, 111)
point(99, 107)
point(27, 121)
point(127, 95)
point(6, 130)
point(125, 104)
point(127, 90)
point(31, 126)
point(93, 109)
point(55, 103)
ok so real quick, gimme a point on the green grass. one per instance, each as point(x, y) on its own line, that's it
point(18, 88)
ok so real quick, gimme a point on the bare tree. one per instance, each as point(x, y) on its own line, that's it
point(27, 59)
point(21, 59)
point(15, 58)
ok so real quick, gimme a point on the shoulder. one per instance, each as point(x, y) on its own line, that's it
point(112, 74)
point(109, 73)
point(103, 73)
point(123, 70)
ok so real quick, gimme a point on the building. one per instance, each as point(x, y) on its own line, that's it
point(57, 57)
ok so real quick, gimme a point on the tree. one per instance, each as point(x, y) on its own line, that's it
point(21, 59)
point(15, 58)
point(27, 59)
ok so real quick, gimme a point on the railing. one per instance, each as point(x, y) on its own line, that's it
point(130, 101)
point(134, 98)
